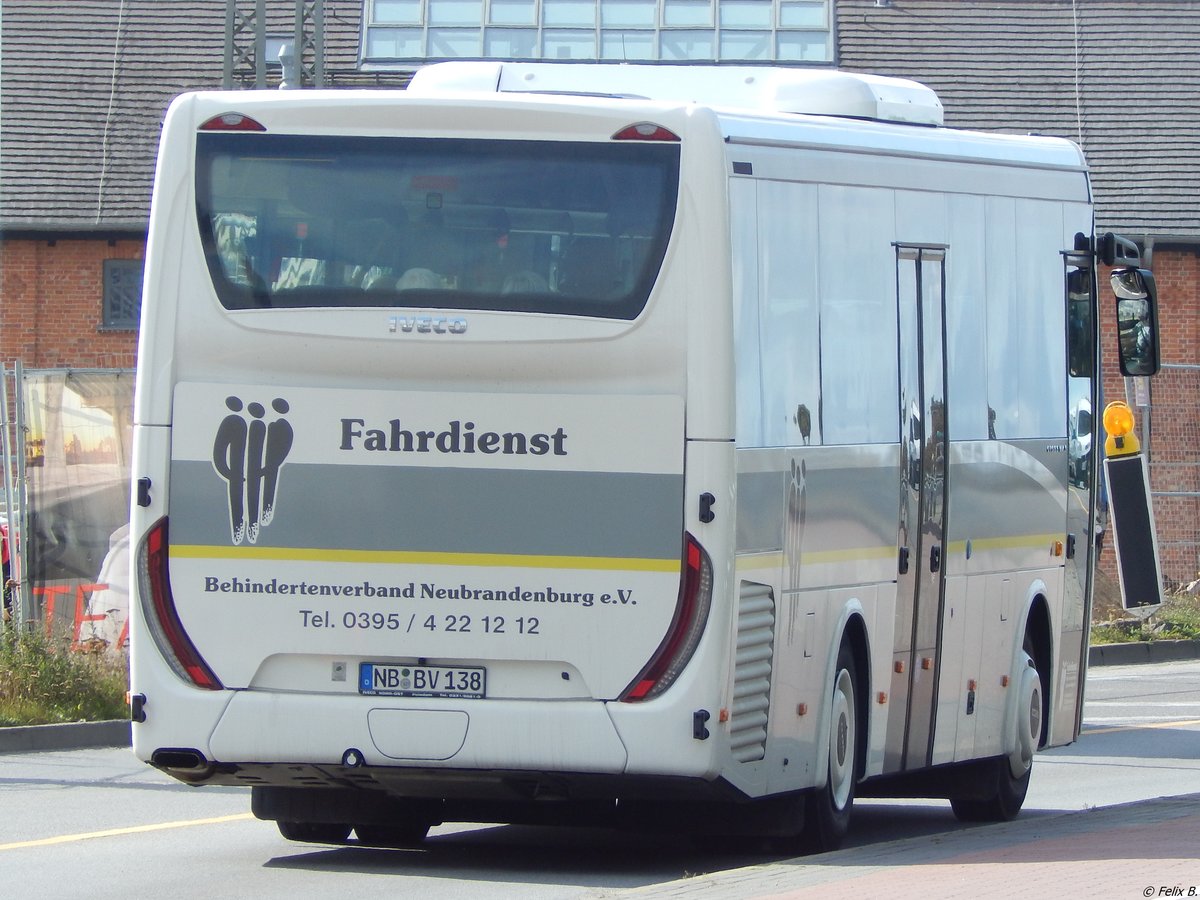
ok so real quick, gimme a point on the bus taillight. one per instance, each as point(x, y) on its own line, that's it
point(232, 122)
point(154, 585)
point(645, 131)
point(691, 615)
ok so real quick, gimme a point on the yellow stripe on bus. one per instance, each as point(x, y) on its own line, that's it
point(773, 559)
point(416, 557)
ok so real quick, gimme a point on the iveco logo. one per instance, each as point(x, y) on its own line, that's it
point(426, 325)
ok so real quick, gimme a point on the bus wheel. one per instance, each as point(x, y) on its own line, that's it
point(396, 836)
point(314, 832)
point(1008, 776)
point(827, 809)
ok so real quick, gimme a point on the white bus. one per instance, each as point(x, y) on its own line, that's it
point(668, 447)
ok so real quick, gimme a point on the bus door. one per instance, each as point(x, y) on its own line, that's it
point(1083, 419)
point(920, 284)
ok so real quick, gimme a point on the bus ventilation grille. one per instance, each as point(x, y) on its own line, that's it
point(752, 672)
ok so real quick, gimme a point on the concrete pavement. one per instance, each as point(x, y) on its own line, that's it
point(1144, 849)
point(1150, 848)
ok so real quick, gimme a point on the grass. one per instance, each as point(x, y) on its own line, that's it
point(42, 682)
point(1177, 619)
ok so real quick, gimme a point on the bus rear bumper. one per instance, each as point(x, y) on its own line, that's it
point(271, 727)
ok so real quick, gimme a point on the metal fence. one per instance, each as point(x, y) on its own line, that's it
point(66, 443)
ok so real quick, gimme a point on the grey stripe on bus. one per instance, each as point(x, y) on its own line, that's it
point(600, 514)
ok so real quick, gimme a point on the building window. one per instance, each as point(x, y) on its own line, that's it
point(512, 12)
point(271, 52)
point(627, 46)
point(122, 293)
point(454, 12)
point(629, 13)
point(687, 13)
point(402, 34)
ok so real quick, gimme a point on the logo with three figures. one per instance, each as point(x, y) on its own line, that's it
point(248, 453)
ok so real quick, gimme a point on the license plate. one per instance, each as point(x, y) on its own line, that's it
point(386, 679)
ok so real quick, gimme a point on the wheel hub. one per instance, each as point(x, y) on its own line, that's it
point(841, 742)
point(1028, 720)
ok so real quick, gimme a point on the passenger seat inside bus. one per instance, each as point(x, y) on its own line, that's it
point(589, 268)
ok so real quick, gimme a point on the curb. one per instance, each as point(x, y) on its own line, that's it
point(1142, 652)
point(67, 736)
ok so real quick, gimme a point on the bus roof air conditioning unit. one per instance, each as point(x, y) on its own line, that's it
point(823, 92)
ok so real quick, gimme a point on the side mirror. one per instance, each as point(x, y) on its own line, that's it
point(1137, 321)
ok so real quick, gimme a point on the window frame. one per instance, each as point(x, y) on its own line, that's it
point(782, 30)
point(116, 280)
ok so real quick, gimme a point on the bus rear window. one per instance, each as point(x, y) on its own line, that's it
point(566, 228)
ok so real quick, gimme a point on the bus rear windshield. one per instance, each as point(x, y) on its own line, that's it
point(557, 227)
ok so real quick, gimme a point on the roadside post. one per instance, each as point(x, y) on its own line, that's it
point(1130, 509)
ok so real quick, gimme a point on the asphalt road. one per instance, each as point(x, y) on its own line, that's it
point(99, 824)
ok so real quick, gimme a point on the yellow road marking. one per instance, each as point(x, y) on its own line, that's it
point(133, 829)
point(407, 557)
point(1130, 728)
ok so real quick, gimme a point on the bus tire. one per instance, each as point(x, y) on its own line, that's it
point(1008, 795)
point(827, 808)
point(395, 836)
point(1009, 775)
point(314, 832)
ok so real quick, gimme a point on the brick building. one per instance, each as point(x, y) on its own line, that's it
point(1117, 77)
point(84, 85)
point(83, 89)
